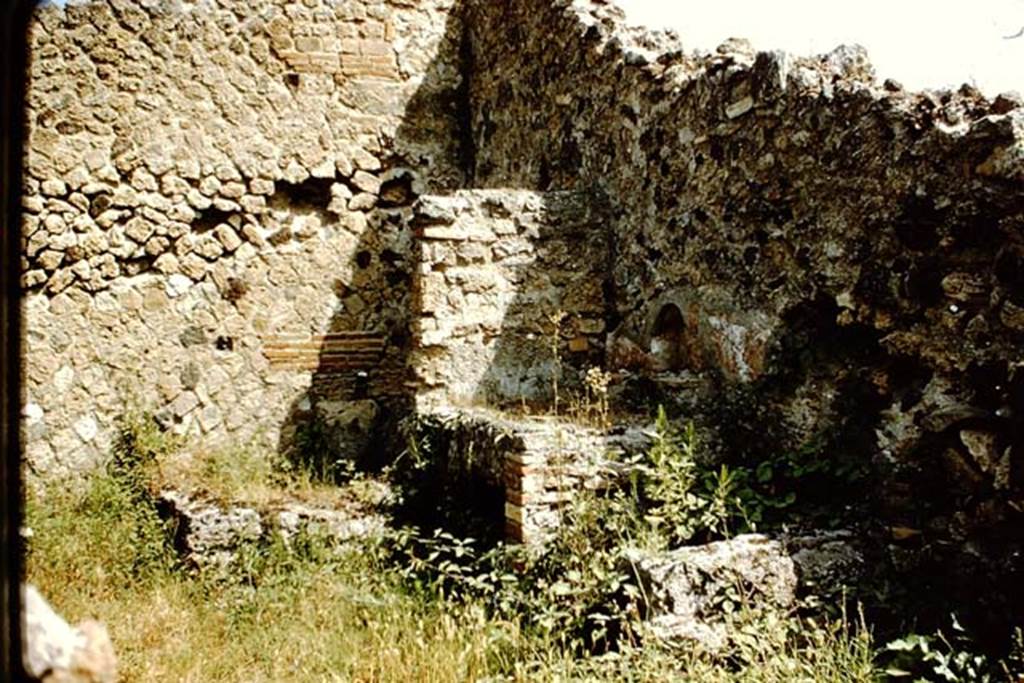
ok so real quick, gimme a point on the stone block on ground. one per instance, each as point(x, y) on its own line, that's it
point(56, 652)
point(210, 534)
point(687, 588)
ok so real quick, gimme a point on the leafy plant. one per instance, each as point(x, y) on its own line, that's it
point(596, 383)
point(936, 658)
point(772, 489)
point(139, 448)
point(577, 592)
point(554, 341)
point(117, 517)
point(680, 500)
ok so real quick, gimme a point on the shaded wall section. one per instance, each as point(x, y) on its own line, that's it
point(860, 239)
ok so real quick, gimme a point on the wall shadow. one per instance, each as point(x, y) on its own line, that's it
point(360, 386)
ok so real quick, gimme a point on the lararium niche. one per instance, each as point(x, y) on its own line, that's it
point(667, 337)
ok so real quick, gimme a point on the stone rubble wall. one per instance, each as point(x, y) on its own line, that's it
point(494, 266)
point(209, 534)
point(222, 220)
point(864, 243)
point(215, 202)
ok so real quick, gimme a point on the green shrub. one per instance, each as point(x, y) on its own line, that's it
point(680, 501)
point(941, 658)
point(118, 535)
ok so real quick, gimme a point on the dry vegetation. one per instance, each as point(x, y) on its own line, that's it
point(309, 611)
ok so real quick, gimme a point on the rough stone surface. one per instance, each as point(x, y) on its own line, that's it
point(495, 267)
point(203, 142)
point(55, 652)
point(687, 587)
point(209, 534)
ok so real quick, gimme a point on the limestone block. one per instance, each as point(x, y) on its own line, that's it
point(253, 204)
point(232, 190)
point(362, 202)
point(227, 236)
point(32, 278)
point(50, 259)
point(143, 181)
point(366, 182)
point(156, 245)
point(209, 246)
point(198, 200)
point(32, 204)
point(261, 186)
point(139, 229)
point(226, 205)
point(55, 224)
point(86, 428)
point(167, 264)
point(55, 652)
point(54, 187)
point(686, 585)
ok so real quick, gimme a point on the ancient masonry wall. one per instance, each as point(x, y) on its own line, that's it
point(219, 218)
point(535, 467)
point(864, 244)
point(495, 268)
point(215, 210)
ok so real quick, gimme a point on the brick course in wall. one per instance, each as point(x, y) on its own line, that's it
point(215, 207)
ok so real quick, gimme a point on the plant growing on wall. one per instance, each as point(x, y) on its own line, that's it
point(554, 341)
point(596, 382)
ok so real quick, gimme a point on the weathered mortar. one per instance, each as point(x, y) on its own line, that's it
point(215, 210)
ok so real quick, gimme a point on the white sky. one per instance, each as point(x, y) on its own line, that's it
point(920, 43)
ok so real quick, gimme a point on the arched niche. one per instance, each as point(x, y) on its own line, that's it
point(667, 338)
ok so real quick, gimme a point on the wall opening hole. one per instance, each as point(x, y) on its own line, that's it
point(312, 194)
point(667, 339)
point(208, 219)
point(397, 191)
point(292, 81)
point(224, 344)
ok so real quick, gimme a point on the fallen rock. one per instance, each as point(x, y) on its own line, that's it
point(55, 652)
point(688, 588)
